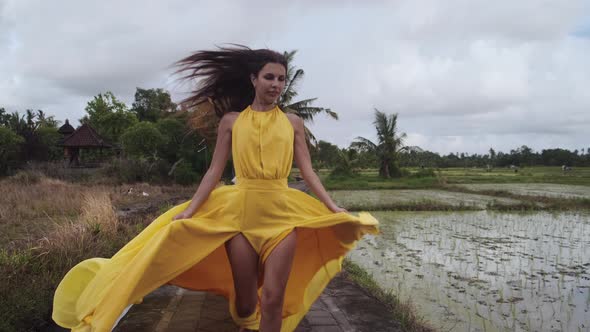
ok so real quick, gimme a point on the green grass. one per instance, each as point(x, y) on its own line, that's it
point(28, 278)
point(529, 203)
point(537, 174)
point(402, 311)
point(30, 271)
point(369, 179)
point(445, 179)
point(419, 205)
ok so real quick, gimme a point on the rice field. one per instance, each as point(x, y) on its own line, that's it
point(390, 199)
point(369, 179)
point(485, 271)
point(537, 174)
point(475, 270)
point(534, 189)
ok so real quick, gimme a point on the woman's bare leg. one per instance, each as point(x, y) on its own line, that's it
point(244, 265)
point(276, 273)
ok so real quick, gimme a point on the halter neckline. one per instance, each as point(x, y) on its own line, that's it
point(269, 111)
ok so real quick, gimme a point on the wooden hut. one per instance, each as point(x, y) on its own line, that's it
point(84, 137)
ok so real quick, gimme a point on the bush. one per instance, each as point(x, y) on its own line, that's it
point(185, 175)
point(403, 172)
point(345, 167)
point(142, 140)
point(10, 147)
point(342, 170)
point(123, 171)
point(395, 171)
point(424, 173)
point(48, 138)
point(137, 170)
point(59, 170)
point(26, 178)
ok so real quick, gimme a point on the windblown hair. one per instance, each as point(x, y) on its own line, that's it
point(223, 76)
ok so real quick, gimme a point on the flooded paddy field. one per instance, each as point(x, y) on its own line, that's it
point(382, 199)
point(485, 271)
point(534, 189)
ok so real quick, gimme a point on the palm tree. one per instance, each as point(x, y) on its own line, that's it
point(348, 163)
point(390, 143)
point(302, 108)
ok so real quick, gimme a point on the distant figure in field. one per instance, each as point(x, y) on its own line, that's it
point(566, 169)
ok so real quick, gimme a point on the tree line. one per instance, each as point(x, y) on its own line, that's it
point(153, 139)
point(158, 137)
point(149, 138)
point(389, 154)
point(329, 156)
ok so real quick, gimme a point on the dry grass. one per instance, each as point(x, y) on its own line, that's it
point(98, 212)
point(121, 197)
point(22, 199)
point(32, 205)
point(72, 237)
point(30, 209)
point(47, 226)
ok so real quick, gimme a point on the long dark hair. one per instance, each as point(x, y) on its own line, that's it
point(223, 76)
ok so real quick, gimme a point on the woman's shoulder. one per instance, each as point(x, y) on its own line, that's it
point(228, 119)
point(231, 115)
point(295, 120)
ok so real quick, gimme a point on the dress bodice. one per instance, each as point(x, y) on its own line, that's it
point(262, 144)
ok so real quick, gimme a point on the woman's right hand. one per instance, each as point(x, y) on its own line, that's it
point(183, 215)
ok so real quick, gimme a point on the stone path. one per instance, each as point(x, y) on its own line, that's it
point(343, 307)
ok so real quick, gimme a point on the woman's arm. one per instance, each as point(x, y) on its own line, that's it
point(218, 162)
point(303, 161)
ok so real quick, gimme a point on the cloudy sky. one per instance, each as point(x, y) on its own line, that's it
point(463, 75)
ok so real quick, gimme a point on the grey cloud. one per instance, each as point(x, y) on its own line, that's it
point(463, 75)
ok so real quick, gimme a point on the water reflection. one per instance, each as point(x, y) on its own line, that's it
point(486, 271)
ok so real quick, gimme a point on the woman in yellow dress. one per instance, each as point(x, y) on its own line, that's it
point(269, 249)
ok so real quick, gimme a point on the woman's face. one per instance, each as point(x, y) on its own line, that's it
point(269, 83)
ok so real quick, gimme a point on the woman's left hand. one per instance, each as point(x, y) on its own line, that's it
point(183, 215)
point(335, 208)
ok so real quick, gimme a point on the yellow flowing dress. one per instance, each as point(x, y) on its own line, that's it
point(190, 253)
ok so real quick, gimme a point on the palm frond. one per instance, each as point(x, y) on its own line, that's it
point(301, 103)
point(290, 91)
point(364, 144)
point(309, 137)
